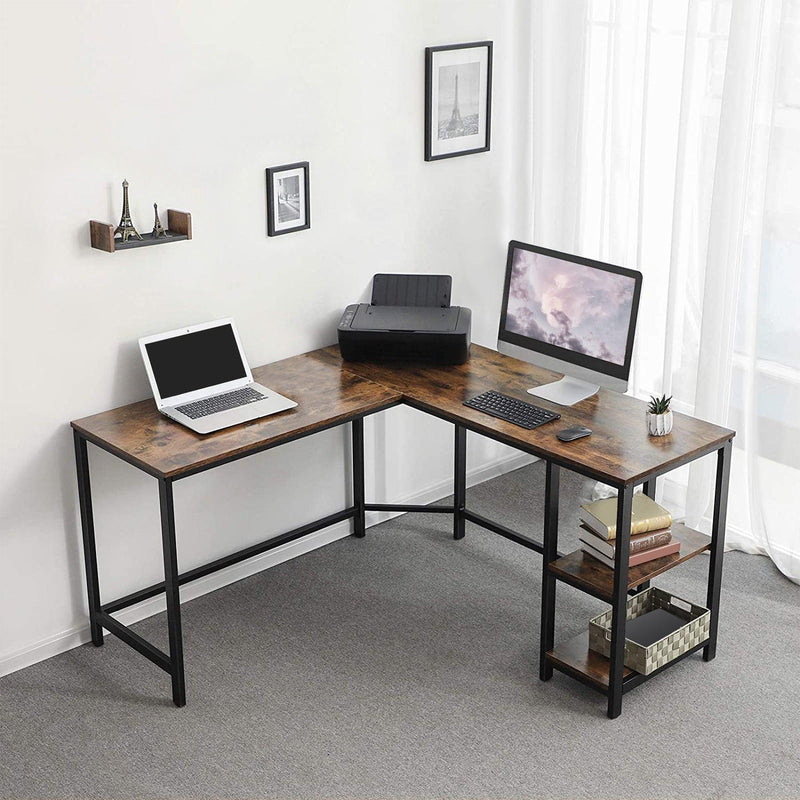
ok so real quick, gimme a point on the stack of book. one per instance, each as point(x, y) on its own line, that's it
point(651, 531)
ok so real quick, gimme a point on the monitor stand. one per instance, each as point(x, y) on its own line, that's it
point(565, 392)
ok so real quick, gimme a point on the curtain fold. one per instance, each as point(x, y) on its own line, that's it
point(674, 128)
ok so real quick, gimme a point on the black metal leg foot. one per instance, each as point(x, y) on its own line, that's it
point(178, 693)
point(614, 707)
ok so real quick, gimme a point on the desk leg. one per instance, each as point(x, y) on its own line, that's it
point(172, 591)
point(550, 553)
point(619, 601)
point(717, 546)
point(87, 529)
point(459, 482)
point(359, 518)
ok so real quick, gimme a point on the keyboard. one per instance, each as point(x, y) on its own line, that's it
point(220, 402)
point(526, 415)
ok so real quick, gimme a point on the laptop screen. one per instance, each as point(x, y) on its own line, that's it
point(195, 360)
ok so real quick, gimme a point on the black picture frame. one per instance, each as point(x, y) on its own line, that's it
point(288, 210)
point(472, 64)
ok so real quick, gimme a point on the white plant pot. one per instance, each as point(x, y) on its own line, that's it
point(659, 424)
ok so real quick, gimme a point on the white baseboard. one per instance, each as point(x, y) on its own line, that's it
point(444, 488)
point(76, 636)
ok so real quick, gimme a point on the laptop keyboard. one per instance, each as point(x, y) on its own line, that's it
point(220, 402)
point(526, 415)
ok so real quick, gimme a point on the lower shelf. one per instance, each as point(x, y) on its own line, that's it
point(574, 658)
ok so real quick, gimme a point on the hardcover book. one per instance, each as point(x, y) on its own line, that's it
point(646, 515)
point(639, 542)
point(637, 558)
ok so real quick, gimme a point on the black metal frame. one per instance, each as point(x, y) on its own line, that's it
point(100, 615)
point(618, 685)
point(429, 115)
point(272, 202)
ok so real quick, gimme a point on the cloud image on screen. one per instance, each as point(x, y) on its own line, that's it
point(580, 308)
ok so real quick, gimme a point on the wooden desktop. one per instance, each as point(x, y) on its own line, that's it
point(331, 392)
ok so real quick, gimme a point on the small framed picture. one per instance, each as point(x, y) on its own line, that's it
point(458, 99)
point(288, 198)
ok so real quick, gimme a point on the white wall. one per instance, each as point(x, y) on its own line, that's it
point(190, 102)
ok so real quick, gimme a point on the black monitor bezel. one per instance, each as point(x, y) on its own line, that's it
point(620, 371)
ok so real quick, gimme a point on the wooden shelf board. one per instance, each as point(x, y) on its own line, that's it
point(581, 570)
point(574, 656)
point(147, 240)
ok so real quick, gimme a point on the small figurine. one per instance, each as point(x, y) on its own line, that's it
point(158, 228)
point(125, 226)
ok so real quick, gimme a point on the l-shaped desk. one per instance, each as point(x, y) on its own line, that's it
point(330, 392)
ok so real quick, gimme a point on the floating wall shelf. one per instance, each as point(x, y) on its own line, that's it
point(179, 228)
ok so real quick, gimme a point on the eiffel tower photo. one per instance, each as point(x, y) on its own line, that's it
point(458, 100)
point(455, 118)
point(455, 126)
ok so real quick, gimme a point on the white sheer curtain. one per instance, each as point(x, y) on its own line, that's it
point(666, 136)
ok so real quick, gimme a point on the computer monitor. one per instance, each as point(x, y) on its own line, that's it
point(572, 315)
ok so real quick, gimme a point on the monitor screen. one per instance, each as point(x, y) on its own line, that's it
point(195, 360)
point(579, 311)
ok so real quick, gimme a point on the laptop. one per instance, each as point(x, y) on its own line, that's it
point(200, 378)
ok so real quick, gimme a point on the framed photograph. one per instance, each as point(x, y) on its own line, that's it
point(458, 99)
point(288, 198)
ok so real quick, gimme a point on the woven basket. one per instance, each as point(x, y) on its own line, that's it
point(647, 659)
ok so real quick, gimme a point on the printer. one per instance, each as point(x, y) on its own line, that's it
point(409, 319)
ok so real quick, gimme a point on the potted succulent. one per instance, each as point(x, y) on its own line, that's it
point(659, 416)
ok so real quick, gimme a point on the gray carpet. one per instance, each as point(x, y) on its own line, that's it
point(404, 665)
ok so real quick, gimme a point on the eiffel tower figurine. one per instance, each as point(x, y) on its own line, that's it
point(125, 226)
point(455, 123)
point(158, 228)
